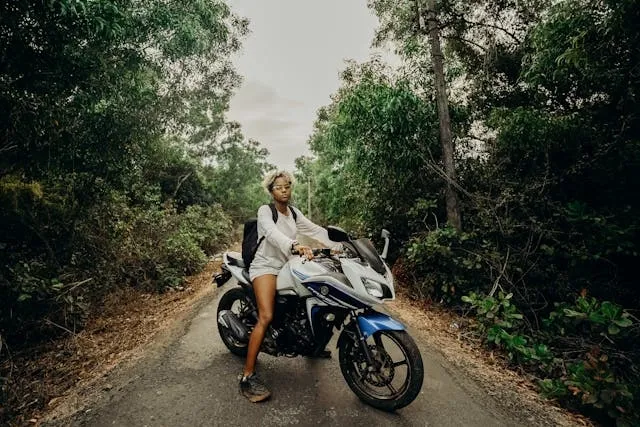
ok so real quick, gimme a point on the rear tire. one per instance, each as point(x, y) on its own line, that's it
point(352, 361)
point(237, 297)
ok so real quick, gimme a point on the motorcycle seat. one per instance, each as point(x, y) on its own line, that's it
point(238, 262)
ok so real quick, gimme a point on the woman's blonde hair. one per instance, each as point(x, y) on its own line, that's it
point(270, 179)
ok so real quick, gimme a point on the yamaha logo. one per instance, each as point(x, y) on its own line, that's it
point(324, 290)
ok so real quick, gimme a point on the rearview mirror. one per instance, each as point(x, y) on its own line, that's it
point(385, 235)
point(337, 234)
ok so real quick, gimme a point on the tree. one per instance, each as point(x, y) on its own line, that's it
point(404, 24)
point(437, 58)
point(375, 146)
point(302, 192)
point(110, 113)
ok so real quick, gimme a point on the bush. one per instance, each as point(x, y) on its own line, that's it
point(153, 248)
point(447, 264)
point(114, 243)
point(585, 352)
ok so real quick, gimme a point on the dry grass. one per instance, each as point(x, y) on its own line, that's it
point(513, 390)
point(48, 376)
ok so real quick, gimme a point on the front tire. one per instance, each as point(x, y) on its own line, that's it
point(236, 301)
point(377, 388)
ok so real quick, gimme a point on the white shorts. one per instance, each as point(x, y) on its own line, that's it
point(260, 270)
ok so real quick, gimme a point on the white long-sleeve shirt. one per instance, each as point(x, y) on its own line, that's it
point(275, 249)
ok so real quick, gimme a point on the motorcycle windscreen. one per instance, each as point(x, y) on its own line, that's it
point(367, 251)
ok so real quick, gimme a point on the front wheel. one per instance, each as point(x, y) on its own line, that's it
point(396, 377)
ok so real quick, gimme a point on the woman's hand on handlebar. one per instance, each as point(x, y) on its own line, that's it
point(302, 250)
point(311, 253)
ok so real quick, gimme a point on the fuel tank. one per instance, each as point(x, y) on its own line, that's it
point(293, 272)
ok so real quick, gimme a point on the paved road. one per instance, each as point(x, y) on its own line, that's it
point(192, 382)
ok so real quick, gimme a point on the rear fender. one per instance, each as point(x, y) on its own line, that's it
point(238, 272)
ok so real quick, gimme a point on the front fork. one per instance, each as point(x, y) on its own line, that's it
point(362, 341)
point(354, 332)
point(365, 325)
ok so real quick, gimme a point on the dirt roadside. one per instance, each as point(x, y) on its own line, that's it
point(70, 376)
point(62, 377)
point(513, 391)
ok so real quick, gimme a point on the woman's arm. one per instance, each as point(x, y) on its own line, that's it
point(271, 232)
point(308, 228)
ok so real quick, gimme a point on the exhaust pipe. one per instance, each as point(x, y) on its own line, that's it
point(230, 321)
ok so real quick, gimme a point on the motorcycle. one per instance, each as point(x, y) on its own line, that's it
point(334, 291)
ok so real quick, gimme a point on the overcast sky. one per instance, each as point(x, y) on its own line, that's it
point(290, 63)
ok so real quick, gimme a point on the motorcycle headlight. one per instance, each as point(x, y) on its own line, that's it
point(373, 288)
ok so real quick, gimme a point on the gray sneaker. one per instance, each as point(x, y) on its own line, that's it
point(253, 388)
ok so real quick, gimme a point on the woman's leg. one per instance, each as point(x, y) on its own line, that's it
point(264, 288)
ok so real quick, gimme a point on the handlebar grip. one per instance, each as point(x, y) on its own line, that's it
point(315, 252)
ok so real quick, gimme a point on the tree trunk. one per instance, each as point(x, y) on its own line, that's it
point(309, 197)
point(437, 59)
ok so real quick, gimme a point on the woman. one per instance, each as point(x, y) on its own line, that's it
point(272, 253)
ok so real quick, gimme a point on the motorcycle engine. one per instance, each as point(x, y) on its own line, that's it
point(290, 332)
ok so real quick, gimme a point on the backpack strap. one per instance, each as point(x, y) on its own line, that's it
point(274, 213)
point(255, 250)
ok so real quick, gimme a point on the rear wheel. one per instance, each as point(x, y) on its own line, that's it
point(235, 300)
point(396, 377)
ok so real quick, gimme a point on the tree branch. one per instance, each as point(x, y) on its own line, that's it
point(462, 39)
point(181, 181)
point(8, 148)
point(497, 27)
point(73, 334)
point(497, 282)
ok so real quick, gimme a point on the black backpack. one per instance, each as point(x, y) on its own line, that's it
point(250, 240)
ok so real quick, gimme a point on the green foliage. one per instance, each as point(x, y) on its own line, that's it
point(494, 311)
point(236, 180)
point(592, 384)
point(597, 379)
point(377, 153)
point(114, 149)
point(115, 244)
point(14, 193)
point(547, 173)
point(502, 325)
point(439, 260)
point(35, 292)
point(600, 318)
point(151, 248)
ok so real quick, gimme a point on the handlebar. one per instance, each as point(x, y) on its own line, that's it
point(322, 251)
point(316, 252)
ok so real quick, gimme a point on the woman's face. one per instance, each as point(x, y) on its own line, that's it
point(281, 190)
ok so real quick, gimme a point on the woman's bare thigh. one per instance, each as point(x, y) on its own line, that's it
point(264, 288)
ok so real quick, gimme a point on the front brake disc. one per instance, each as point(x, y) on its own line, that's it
point(384, 373)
